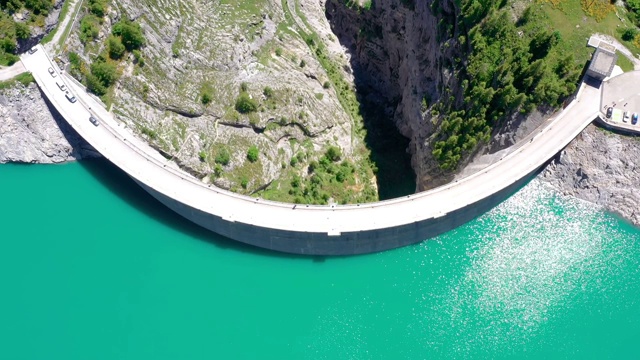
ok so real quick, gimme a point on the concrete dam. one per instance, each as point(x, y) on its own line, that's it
point(311, 229)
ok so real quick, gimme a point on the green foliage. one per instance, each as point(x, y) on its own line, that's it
point(510, 69)
point(89, 28)
point(279, 52)
point(244, 87)
point(630, 33)
point(106, 72)
point(130, 34)
point(223, 157)
point(333, 153)
point(202, 155)
point(137, 54)
point(98, 7)
point(116, 49)
point(206, 97)
point(94, 85)
point(245, 104)
point(252, 154)
point(268, 92)
point(22, 30)
point(326, 85)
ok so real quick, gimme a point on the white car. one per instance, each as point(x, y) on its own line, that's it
point(93, 120)
point(52, 72)
point(70, 97)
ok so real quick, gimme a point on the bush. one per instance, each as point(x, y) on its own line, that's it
point(244, 87)
point(130, 33)
point(223, 157)
point(629, 34)
point(268, 92)
point(333, 153)
point(206, 98)
point(279, 51)
point(245, 104)
point(326, 85)
point(95, 86)
point(116, 49)
point(106, 72)
point(89, 28)
point(252, 154)
point(138, 57)
point(202, 155)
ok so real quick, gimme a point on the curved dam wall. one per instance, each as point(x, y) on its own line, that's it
point(347, 243)
point(307, 229)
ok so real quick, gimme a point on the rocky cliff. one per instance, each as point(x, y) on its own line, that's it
point(400, 57)
point(31, 133)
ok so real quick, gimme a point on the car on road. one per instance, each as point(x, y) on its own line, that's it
point(625, 117)
point(609, 112)
point(634, 118)
point(70, 97)
point(93, 120)
point(62, 87)
point(32, 50)
point(52, 72)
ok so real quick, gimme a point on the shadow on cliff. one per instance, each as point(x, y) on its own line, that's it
point(121, 185)
point(395, 176)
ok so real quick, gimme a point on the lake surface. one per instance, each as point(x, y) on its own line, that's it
point(91, 267)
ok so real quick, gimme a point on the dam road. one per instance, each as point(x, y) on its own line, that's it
point(309, 229)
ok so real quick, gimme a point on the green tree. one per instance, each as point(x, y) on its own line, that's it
point(333, 153)
point(22, 30)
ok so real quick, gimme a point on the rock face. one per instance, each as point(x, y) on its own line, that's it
point(600, 167)
point(30, 133)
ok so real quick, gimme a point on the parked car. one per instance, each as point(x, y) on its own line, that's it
point(625, 116)
point(32, 50)
point(52, 72)
point(93, 120)
point(634, 118)
point(62, 87)
point(609, 112)
point(70, 97)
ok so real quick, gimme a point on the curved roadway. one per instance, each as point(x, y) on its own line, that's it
point(146, 166)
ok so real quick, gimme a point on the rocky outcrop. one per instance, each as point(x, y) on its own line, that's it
point(38, 32)
point(600, 167)
point(31, 133)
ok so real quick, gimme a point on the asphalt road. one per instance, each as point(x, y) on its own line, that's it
point(141, 162)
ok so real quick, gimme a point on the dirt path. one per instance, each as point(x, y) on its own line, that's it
point(7, 73)
point(52, 45)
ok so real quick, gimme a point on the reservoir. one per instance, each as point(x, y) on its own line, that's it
point(92, 267)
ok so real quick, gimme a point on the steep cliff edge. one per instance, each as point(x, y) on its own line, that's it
point(398, 59)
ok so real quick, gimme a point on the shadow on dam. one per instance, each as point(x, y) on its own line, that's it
point(121, 185)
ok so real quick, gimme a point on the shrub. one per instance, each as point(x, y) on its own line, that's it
point(279, 51)
point(252, 154)
point(268, 92)
point(302, 63)
point(202, 155)
point(244, 87)
point(245, 104)
point(326, 85)
point(223, 157)
point(106, 72)
point(333, 153)
point(116, 49)
point(130, 33)
point(629, 34)
point(206, 98)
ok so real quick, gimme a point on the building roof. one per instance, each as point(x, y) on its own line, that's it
point(603, 60)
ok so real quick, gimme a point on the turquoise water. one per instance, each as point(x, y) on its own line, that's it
point(93, 268)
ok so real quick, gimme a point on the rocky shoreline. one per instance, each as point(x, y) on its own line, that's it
point(31, 132)
point(601, 167)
